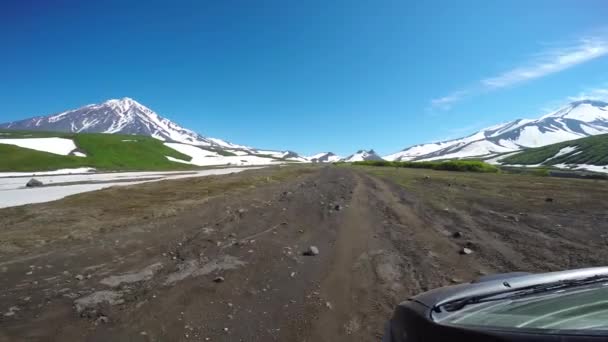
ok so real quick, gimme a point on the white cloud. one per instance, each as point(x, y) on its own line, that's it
point(551, 62)
point(545, 63)
point(600, 94)
point(446, 102)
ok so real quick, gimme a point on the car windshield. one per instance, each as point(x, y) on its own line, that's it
point(584, 308)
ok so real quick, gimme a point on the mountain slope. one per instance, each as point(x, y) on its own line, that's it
point(324, 157)
point(111, 152)
point(124, 116)
point(586, 151)
point(577, 120)
point(362, 155)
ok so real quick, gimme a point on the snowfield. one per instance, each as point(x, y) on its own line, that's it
point(79, 170)
point(13, 191)
point(202, 157)
point(59, 146)
point(593, 168)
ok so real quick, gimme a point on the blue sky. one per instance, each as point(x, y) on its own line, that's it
point(308, 76)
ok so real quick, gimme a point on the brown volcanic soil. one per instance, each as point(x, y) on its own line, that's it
point(138, 263)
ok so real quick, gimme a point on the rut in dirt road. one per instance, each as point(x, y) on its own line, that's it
point(384, 252)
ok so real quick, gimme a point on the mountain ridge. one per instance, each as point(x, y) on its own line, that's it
point(124, 116)
point(576, 120)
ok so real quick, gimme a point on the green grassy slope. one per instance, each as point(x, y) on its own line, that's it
point(104, 152)
point(590, 150)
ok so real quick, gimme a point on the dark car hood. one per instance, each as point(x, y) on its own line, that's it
point(448, 294)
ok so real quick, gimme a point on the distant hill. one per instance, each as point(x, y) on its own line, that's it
point(591, 150)
point(362, 155)
point(577, 120)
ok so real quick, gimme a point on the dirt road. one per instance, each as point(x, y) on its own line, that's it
point(222, 259)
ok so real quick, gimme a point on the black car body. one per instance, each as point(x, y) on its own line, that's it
point(557, 306)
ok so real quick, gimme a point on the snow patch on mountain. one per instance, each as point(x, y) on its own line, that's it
point(202, 157)
point(324, 157)
point(362, 155)
point(59, 146)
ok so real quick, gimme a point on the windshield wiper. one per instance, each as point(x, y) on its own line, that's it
point(519, 293)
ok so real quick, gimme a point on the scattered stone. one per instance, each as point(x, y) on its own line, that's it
point(456, 280)
point(79, 277)
point(312, 251)
point(232, 235)
point(225, 329)
point(230, 305)
point(102, 319)
point(293, 274)
point(301, 231)
point(548, 199)
point(32, 183)
point(218, 280)
point(466, 251)
point(143, 333)
point(337, 207)
point(11, 311)
point(328, 305)
point(29, 273)
point(457, 234)
point(427, 177)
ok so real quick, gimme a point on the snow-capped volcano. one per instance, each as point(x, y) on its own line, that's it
point(124, 116)
point(324, 157)
point(362, 155)
point(577, 120)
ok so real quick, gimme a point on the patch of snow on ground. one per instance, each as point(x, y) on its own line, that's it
point(75, 171)
point(59, 146)
point(588, 167)
point(79, 154)
point(14, 193)
point(202, 157)
point(198, 155)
